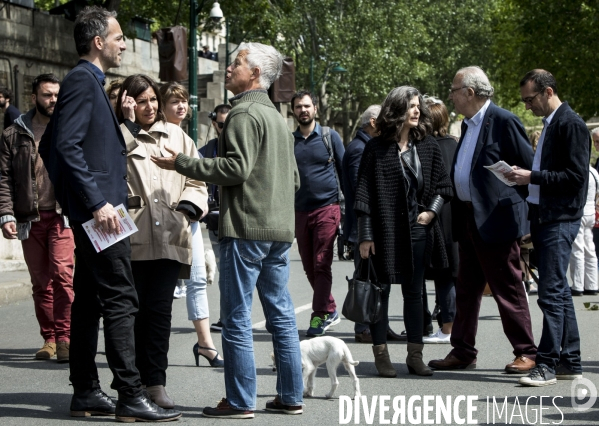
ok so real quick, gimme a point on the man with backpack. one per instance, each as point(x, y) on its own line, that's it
point(319, 153)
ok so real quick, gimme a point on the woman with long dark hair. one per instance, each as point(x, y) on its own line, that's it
point(163, 204)
point(402, 185)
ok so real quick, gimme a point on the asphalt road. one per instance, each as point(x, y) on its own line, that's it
point(38, 392)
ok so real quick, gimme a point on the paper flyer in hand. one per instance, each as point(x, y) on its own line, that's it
point(101, 239)
point(499, 169)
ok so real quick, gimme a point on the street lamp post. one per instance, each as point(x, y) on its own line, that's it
point(192, 51)
point(336, 69)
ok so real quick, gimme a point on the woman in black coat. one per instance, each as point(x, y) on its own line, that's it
point(402, 186)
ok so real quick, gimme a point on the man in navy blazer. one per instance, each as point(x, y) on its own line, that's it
point(84, 152)
point(489, 218)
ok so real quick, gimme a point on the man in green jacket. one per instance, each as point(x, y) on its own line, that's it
point(258, 177)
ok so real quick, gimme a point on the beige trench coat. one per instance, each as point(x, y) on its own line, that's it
point(154, 194)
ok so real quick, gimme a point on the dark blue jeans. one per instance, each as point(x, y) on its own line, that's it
point(560, 341)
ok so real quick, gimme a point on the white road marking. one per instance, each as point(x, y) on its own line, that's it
point(302, 308)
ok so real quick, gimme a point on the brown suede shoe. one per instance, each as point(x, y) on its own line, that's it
point(520, 364)
point(47, 351)
point(62, 352)
point(452, 363)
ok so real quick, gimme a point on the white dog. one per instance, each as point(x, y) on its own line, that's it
point(210, 260)
point(333, 351)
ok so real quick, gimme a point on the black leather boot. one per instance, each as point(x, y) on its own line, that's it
point(129, 409)
point(91, 402)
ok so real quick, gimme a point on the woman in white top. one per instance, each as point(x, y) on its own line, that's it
point(583, 260)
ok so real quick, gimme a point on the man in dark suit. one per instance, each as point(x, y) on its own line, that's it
point(84, 152)
point(557, 185)
point(489, 217)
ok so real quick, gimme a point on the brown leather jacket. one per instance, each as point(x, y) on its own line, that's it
point(18, 190)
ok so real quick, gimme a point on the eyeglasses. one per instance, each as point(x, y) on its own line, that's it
point(456, 89)
point(531, 98)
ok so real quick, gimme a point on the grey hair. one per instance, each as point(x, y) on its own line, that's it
point(90, 23)
point(267, 58)
point(595, 131)
point(372, 111)
point(476, 79)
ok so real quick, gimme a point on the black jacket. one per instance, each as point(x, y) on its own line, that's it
point(83, 147)
point(350, 166)
point(564, 174)
point(381, 196)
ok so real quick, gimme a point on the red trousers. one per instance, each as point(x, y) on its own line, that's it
point(49, 256)
point(315, 232)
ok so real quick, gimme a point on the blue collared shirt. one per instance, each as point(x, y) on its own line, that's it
point(534, 190)
point(101, 76)
point(318, 185)
point(463, 165)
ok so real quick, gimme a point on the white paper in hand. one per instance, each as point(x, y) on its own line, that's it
point(499, 169)
point(101, 239)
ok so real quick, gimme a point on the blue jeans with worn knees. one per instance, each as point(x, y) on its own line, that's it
point(560, 340)
point(264, 265)
point(197, 299)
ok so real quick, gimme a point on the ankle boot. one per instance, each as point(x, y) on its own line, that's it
point(160, 397)
point(382, 362)
point(414, 360)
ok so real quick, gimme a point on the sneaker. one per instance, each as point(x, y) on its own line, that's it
point(277, 405)
point(47, 351)
point(316, 327)
point(217, 326)
point(224, 411)
point(564, 373)
point(180, 292)
point(532, 287)
point(538, 376)
point(438, 337)
point(331, 320)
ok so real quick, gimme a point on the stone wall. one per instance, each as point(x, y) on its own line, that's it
point(38, 43)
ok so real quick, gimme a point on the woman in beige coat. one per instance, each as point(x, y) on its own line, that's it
point(163, 204)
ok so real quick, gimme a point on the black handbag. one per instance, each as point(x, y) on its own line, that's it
point(363, 301)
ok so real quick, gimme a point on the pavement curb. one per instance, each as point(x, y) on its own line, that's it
point(14, 291)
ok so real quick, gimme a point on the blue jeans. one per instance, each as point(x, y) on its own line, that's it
point(197, 299)
point(265, 265)
point(560, 341)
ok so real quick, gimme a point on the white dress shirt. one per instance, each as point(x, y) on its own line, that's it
point(463, 165)
point(534, 190)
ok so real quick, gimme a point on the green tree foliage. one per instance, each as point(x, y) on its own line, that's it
point(559, 36)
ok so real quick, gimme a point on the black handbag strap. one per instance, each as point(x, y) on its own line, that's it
point(369, 270)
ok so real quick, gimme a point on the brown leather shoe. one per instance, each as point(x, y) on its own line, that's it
point(47, 351)
point(392, 335)
point(62, 352)
point(520, 364)
point(452, 363)
point(363, 337)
